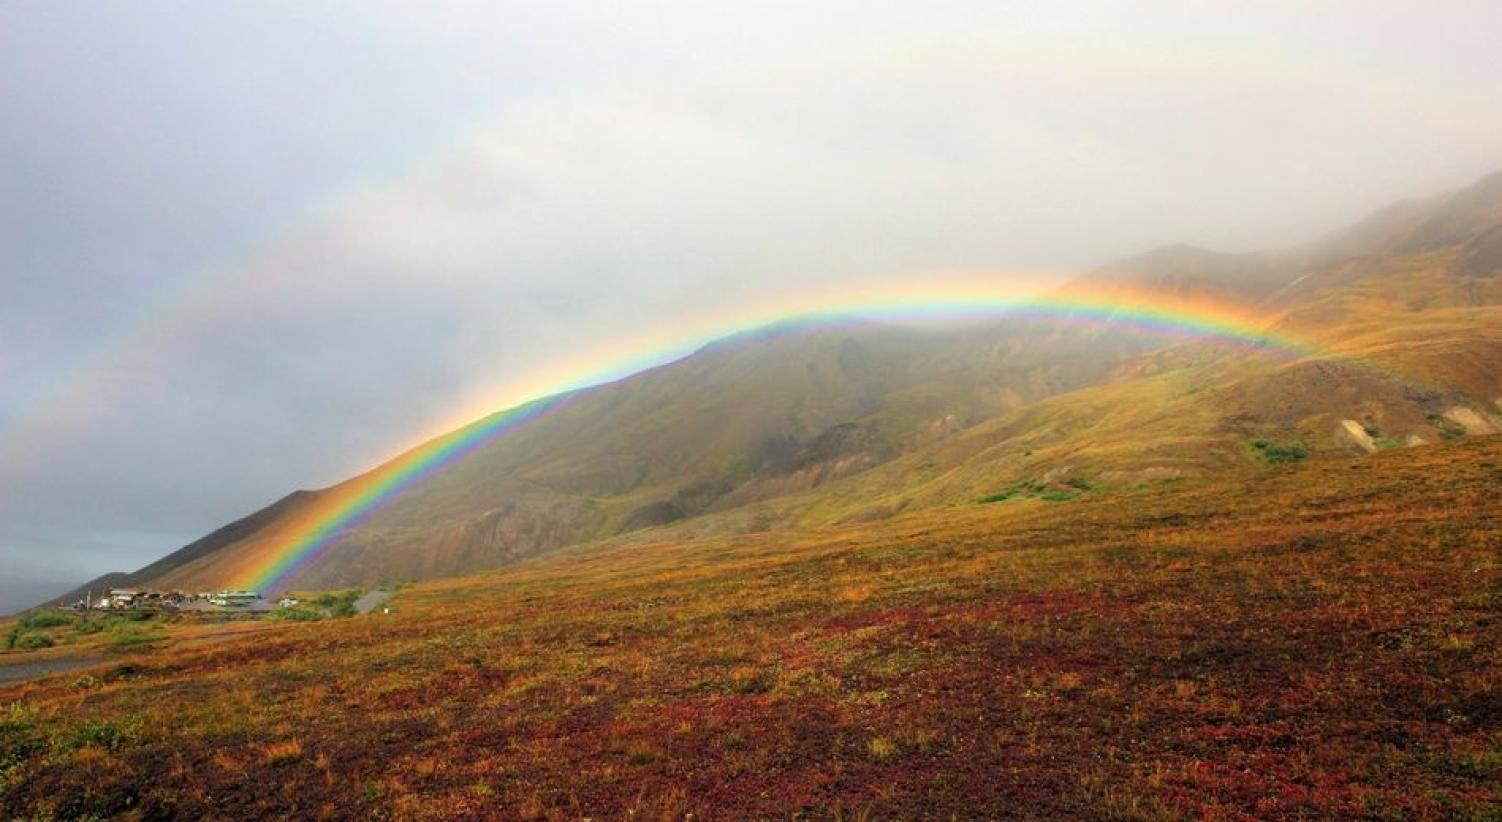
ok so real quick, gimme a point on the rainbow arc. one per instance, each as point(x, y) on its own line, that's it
point(299, 542)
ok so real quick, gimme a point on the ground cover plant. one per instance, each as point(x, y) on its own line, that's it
point(326, 605)
point(1316, 639)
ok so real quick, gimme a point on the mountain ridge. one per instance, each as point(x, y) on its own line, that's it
point(773, 424)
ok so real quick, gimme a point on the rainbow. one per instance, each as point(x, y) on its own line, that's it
point(298, 543)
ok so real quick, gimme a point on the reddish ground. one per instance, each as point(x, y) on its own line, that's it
point(1317, 640)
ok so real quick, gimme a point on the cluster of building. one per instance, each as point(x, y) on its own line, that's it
point(132, 599)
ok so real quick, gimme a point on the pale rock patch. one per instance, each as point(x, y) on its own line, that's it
point(1355, 434)
point(1474, 423)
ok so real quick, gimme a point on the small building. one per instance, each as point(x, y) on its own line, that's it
point(287, 602)
point(234, 598)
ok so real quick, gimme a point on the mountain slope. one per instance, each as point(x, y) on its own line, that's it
point(205, 546)
point(812, 424)
point(1315, 642)
point(736, 423)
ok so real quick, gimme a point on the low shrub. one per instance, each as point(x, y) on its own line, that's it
point(881, 749)
point(114, 623)
point(299, 613)
point(101, 733)
point(19, 738)
point(339, 603)
point(1448, 429)
point(22, 640)
point(282, 753)
point(1273, 451)
point(134, 639)
point(49, 618)
point(33, 642)
point(1038, 489)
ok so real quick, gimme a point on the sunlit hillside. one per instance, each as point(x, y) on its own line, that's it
point(811, 423)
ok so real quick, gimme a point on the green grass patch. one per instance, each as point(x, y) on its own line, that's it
point(328, 605)
point(102, 733)
point(134, 639)
point(19, 738)
point(1448, 429)
point(1477, 765)
point(1274, 451)
point(339, 603)
point(300, 613)
point(49, 618)
point(1038, 489)
point(33, 642)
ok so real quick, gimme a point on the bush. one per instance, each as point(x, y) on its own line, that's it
point(19, 738)
point(1273, 451)
point(300, 613)
point(881, 749)
point(339, 603)
point(102, 733)
point(45, 619)
point(1448, 429)
point(32, 642)
point(335, 604)
point(1038, 489)
point(27, 641)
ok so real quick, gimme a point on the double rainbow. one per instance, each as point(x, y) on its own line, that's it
point(278, 558)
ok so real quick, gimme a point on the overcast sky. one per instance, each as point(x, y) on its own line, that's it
point(252, 247)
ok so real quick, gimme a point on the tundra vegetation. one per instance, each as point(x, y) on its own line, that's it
point(48, 627)
point(331, 604)
point(1319, 640)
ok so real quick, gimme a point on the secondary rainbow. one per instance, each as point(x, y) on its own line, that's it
point(299, 541)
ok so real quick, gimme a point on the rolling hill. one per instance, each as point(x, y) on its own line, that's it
point(810, 424)
point(1304, 641)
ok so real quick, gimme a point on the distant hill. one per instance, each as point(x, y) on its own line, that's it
point(801, 425)
point(217, 540)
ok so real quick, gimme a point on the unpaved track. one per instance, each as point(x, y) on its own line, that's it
point(371, 600)
point(23, 668)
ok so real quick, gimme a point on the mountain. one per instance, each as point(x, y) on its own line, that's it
point(216, 540)
point(815, 423)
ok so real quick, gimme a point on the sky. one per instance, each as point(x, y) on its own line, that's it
point(250, 247)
